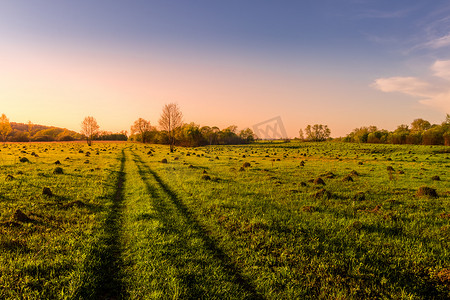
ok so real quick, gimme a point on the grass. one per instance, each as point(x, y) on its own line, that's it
point(45, 257)
point(235, 222)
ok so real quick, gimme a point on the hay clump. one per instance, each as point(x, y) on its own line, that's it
point(322, 193)
point(24, 160)
point(359, 196)
point(347, 178)
point(319, 180)
point(47, 191)
point(21, 216)
point(425, 191)
point(354, 173)
point(328, 175)
point(58, 170)
point(206, 177)
point(357, 225)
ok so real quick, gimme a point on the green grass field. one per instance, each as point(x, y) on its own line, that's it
point(224, 222)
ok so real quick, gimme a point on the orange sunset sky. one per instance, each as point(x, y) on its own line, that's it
point(346, 64)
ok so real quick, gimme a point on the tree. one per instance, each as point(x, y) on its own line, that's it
point(301, 135)
point(207, 133)
point(5, 127)
point(89, 129)
point(19, 136)
point(143, 128)
point(228, 136)
point(317, 132)
point(399, 135)
point(247, 135)
point(434, 136)
point(447, 120)
point(171, 119)
point(419, 125)
point(190, 135)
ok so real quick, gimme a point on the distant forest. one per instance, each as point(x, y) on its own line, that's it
point(420, 132)
point(39, 133)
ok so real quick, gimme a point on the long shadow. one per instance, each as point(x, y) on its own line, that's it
point(216, 253)
point(102, 276)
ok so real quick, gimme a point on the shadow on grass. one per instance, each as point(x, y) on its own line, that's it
point(192, 282)
point(102, 274)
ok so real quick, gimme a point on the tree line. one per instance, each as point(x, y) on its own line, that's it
point(420, 132)
point(172, 131)
point(29, 132)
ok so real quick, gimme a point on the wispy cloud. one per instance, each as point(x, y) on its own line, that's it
point(431, 93)
point(434, 29)
point(443, 41)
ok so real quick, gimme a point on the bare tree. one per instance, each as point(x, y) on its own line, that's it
point(143, 128)
point(89, 129)
point(317, 133)
point(5, 127)
point(171, 119)
point(30, 127)
point(301, 135)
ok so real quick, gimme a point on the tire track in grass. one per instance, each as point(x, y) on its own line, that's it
point(204, 270)
point(103, 275)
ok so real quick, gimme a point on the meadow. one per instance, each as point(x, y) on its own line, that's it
point(259, 221)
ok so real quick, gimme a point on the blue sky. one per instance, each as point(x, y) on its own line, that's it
point(342, 63)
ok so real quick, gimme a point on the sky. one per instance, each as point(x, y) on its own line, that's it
point(343, 63)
